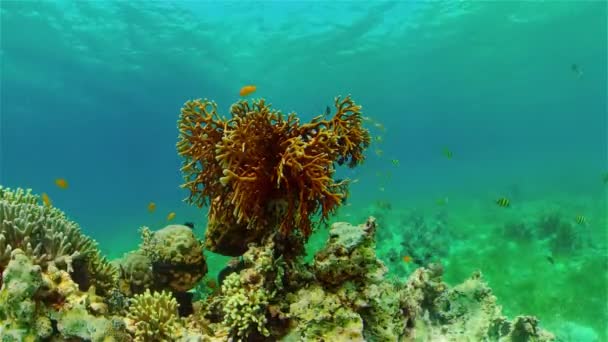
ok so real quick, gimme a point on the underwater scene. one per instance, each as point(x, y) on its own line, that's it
point(303, 171)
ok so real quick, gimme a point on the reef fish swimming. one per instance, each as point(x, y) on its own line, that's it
point(46, 200)
point(61, 183)
point(248, 89)
point(503, 202)
point(581, 219)
point(447, 153)
point(171, 216)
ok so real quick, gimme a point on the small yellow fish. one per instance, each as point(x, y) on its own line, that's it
point(171, 216)
point(61, 183)
point(447, 153)
point(395, 162)
point(378, 139)
point(248, 89)
point(580, 219)
point(379, 126)
point(151, 207)
point(45, 199)
point(407, 259)
point(379, 152)
point(503, 202)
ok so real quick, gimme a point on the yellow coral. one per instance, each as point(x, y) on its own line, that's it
point(154, 317)
point(244, 307)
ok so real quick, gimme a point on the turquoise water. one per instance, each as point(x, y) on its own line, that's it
point(91, 92)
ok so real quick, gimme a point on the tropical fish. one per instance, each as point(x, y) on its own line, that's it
point(151, 207)
point(327, 110)
point(379, 152)
point(61, 183)
point(503, 202)
point(577, 70)
point(189, 224)
point(395, 162)
point(171, 216)
point(378, 138)
point(550, 259)
point(45, 199)
point(447, 153)
point(248, 89)
point(580, 219)
point(379, 126)
point(407, 259)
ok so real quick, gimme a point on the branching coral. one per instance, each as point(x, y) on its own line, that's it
point(261, 169)
point(154, 317)
point(46, 235)
point(245, 307)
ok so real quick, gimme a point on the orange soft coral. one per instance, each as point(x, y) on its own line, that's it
point(259, 169)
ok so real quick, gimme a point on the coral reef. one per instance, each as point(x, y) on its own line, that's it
point(349, 254)
point(176, 255)
point(168, 259)
point(265, 177)
point(260, 169)
point(425, 238)
point(135, 273)
point(154, 317)
point(46, 235)
point(467, 312)
point(37, 304)
point(342, 296)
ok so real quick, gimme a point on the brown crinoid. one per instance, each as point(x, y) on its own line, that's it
point(260, 170)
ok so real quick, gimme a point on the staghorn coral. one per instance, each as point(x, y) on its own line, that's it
point(261, 169)
point(153, 316)
point(46, 235)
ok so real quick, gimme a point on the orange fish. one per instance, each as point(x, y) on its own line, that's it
point(171, 216)
point(151, 207)
point(407, 259)
point(246, 90)
point(46, 200)
point(61, 183)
